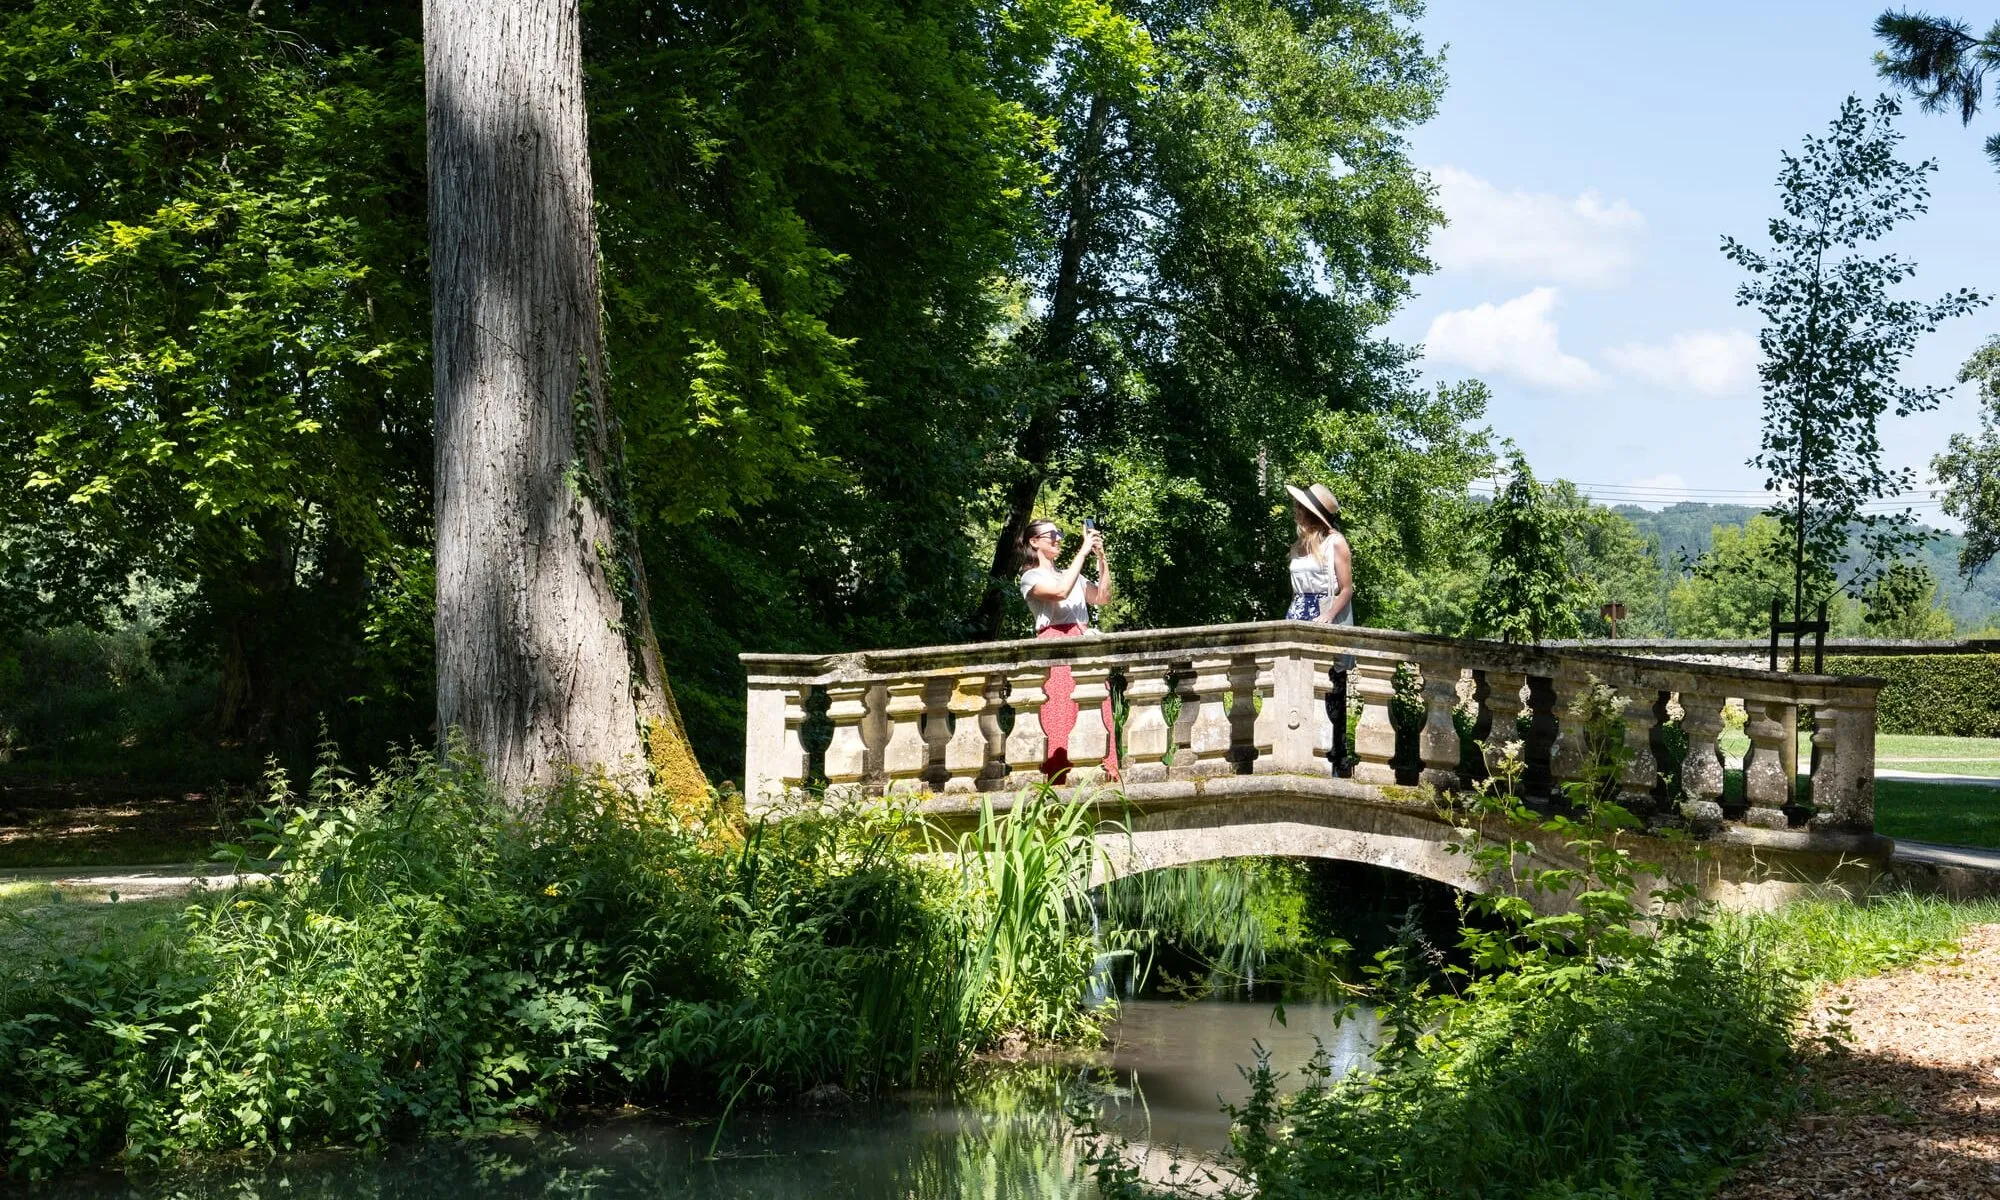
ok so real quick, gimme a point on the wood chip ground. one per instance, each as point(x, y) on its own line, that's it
point(1911, 1105)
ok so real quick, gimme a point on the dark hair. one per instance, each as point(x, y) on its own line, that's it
point(1024, 550)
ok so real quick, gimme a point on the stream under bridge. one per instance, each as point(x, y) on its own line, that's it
point(1231, 741)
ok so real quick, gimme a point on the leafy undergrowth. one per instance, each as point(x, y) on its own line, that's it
point(428, 961)
point(1607, 1050)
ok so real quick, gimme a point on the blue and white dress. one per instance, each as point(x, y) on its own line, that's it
point(1314, 583)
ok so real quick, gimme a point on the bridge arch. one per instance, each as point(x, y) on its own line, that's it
point(1280, 825)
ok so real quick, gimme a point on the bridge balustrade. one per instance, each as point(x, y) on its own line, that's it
point(1263, 699)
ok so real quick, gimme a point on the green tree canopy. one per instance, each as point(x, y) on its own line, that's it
point(1970, 466)
point(213, 320)
point(1232, 216)
point(1531, 590)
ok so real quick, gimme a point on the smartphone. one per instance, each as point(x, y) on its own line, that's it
point(1089, 526)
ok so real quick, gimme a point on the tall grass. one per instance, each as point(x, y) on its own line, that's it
point(427, 960)
point(1026, 873)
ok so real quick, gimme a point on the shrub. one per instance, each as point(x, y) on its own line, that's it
point(427, 960)
point(1940, 695)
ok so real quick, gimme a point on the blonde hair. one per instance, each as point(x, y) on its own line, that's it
point(1313, 533)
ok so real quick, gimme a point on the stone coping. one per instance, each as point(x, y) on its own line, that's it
point(1301, 637)
point(1849, 647)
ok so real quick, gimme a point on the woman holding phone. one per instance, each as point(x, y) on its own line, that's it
point(1061, 598)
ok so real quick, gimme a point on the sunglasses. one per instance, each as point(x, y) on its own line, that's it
point(1046, 533)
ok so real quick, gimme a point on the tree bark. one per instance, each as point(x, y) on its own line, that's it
point(545, 652)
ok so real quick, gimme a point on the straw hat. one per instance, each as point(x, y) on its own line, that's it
point(1317, 500)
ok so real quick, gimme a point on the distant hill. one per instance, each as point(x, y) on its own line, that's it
point(1685, 529)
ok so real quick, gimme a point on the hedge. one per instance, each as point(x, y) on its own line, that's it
point(1949, 695)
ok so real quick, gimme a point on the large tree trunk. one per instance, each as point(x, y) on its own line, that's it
point(545, 651)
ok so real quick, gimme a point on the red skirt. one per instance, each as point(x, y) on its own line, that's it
point(1059, 714)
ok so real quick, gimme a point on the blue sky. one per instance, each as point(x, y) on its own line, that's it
point(1590, 156)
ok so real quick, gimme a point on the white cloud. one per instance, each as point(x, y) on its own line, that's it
point(1711, 362)
point(1516, 338)
point(1533, 235)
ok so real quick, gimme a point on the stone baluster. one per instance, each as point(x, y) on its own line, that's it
point(1844, 783)
point(1437, 742)
point(847, 753)
point(1190, 709)
point(1329, 704)
point(1569, 753)
point(1092, 736)
point(875, 736)
point(1247, 680)
point(1027, 746)
point(1701, 770)
point(936, 727)
point(967, 747)
point(1209, 739)
point(1373, 681)
point(993, 776)
point(795, 763)
point(1146, 732)
point(1503, 713)
point(1642, 770)
point(907, 755)
point(1289, 735)
point(1764, 782)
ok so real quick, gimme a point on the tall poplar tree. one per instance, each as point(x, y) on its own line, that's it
point(1834, 341)
point(546, 656)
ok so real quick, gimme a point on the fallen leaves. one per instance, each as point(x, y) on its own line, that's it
point(1911, 1104)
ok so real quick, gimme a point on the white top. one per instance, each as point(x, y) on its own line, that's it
point(1072, 609)
point(1316, 577)
point(1311, 577)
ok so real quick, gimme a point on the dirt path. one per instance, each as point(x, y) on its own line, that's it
point(1911, 1106)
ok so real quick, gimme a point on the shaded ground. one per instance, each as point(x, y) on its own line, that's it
point(1911, 1105)
point(98, 822)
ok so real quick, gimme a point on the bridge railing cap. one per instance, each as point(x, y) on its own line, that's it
point(1295, 636)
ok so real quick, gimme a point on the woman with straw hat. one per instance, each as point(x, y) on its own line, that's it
point(1322, 563)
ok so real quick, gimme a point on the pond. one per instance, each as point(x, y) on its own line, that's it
point(1162, 1078)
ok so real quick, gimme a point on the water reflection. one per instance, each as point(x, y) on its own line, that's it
point(1170, 1067)
point(1182, 1063)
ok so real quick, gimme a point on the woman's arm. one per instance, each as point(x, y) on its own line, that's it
point(1099, 593)
point(1343, 565)
point(1060, 583)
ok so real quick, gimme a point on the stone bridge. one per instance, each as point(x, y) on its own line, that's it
point(1231, 744)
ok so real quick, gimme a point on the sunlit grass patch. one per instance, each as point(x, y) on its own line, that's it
point(1952, 813)
point(42, 921)
point(1910, 745)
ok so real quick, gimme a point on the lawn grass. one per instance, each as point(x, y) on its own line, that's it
point(1910, 745)
point(1984, 768)
point(40, 921)
point(1953, 813)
